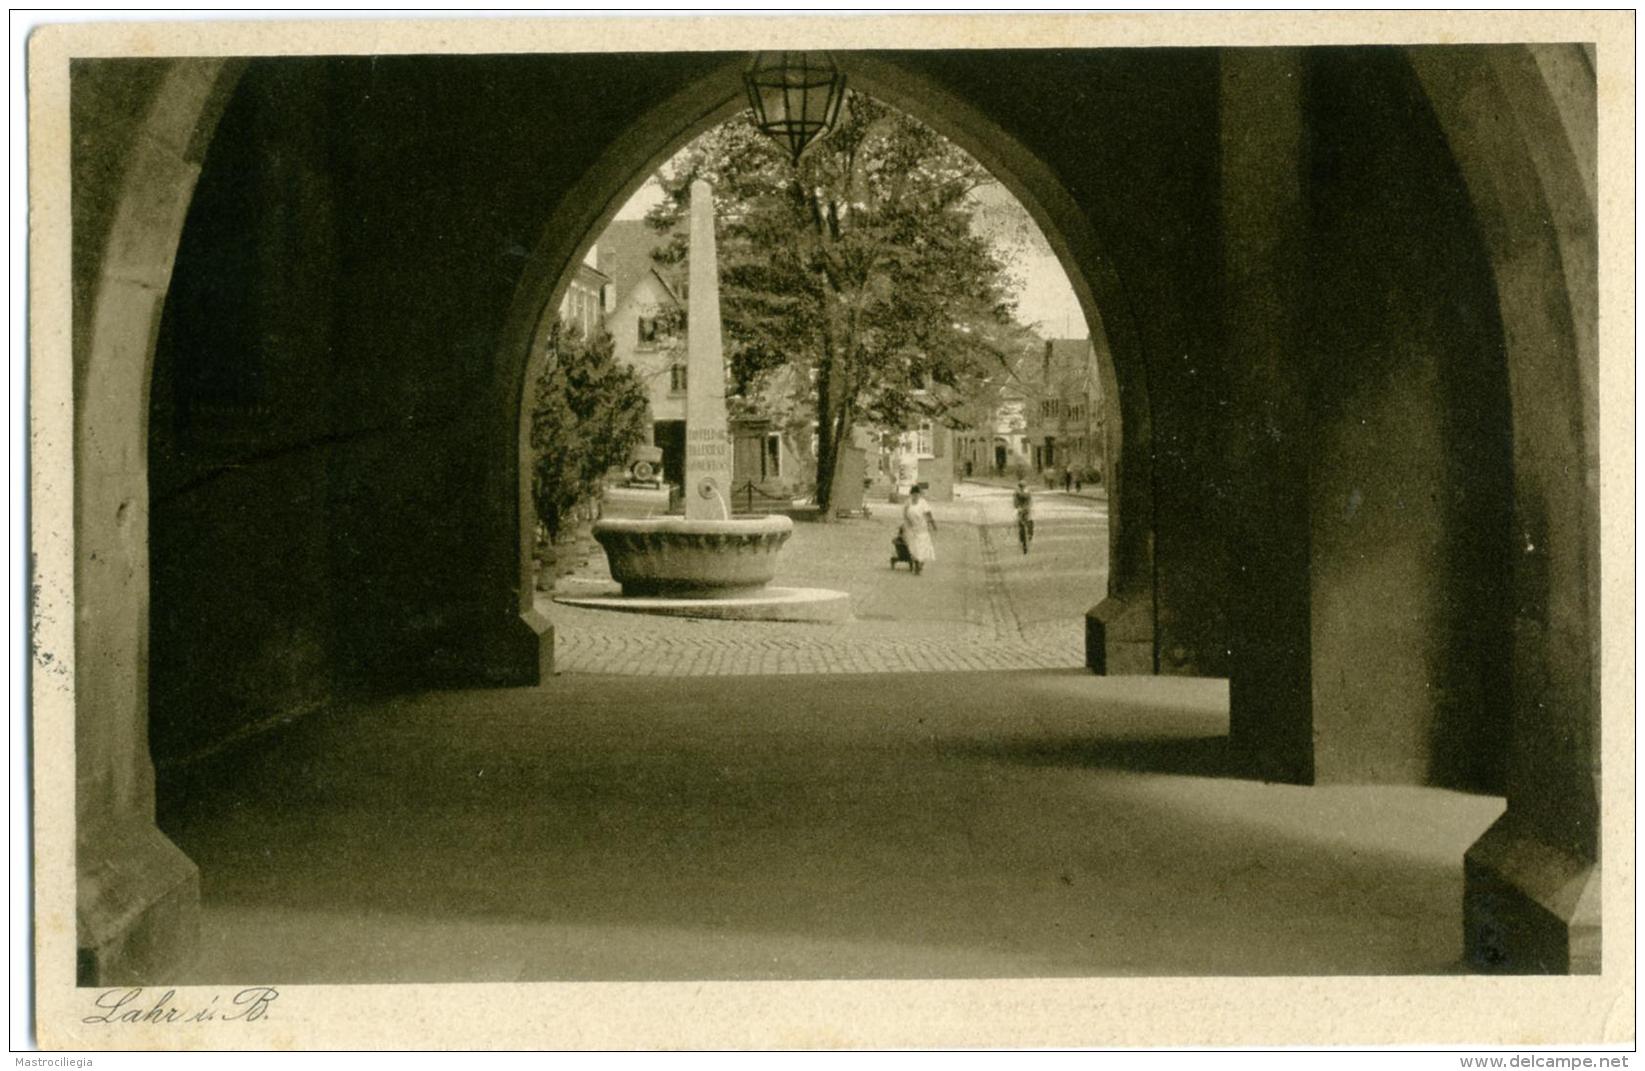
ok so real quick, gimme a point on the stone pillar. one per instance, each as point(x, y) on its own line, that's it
point(1532, 900)
point(1119, 636)
point(138, 894)
point(1264, 232)
point(707, 442)
point(139, 134)
point(1521, 123)
point(1119, 631)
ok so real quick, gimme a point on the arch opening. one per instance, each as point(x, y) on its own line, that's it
point(1087, 460)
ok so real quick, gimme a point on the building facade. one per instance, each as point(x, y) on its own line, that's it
point(645, 322)
point(995, 441)
point(1064, 420)
point(585, 303)
point(649, 334)
point(923, 454)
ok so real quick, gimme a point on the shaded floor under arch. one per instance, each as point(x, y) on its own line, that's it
point(1054, 823)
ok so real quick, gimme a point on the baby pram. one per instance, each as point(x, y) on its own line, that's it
point(900, 546)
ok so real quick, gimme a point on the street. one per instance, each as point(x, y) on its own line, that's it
point(981, 605)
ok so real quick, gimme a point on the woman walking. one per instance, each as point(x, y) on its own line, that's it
point(917, 526)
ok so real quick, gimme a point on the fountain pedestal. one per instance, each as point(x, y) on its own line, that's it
point(707, 432)
point(704, 564)
point(687, 559)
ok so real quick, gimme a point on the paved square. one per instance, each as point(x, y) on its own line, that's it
point(982, 605)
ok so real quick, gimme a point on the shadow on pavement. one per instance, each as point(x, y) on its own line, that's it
point(1207, 756)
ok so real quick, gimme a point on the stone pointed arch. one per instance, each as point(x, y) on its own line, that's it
point(1120, 634)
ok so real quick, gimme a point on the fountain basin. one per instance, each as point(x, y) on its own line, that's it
point(683, 558)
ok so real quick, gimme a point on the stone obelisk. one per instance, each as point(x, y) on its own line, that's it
point(707, 442)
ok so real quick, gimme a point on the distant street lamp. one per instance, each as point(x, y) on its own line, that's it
point(796, 97)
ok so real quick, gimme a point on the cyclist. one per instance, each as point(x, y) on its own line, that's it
point(1024, 501)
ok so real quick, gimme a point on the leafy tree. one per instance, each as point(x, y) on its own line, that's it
point(588, 412)
point(853, 286)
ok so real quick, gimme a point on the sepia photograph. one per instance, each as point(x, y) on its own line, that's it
point(1011, 511)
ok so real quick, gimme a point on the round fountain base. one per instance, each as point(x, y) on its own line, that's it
point(673, 557)
point(763, 604)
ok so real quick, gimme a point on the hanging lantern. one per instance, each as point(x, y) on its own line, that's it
point(796, 97)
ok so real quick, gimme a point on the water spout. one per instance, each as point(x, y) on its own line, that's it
point(707, 488)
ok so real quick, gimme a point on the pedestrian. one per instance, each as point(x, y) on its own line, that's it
point(1023, 500)
point(1067, 480)
point(917, 526)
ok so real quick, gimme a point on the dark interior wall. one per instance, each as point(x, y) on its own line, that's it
point(451, 169)
point(1132, 134)
point(240, 617)
point(1410, 482)
point(326, 371)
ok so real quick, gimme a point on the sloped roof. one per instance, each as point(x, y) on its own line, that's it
point(593, 276)
point(1071, 363)
point(624, 254)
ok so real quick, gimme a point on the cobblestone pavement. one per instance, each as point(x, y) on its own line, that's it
point(982, 605)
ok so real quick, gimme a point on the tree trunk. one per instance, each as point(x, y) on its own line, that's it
point(834, 393)
point(845, 415)
point(827, 451)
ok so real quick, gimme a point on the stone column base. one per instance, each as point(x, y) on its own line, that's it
point(1119, 637)
point(513, 652)
point(138, 914)
point(1529, 907)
